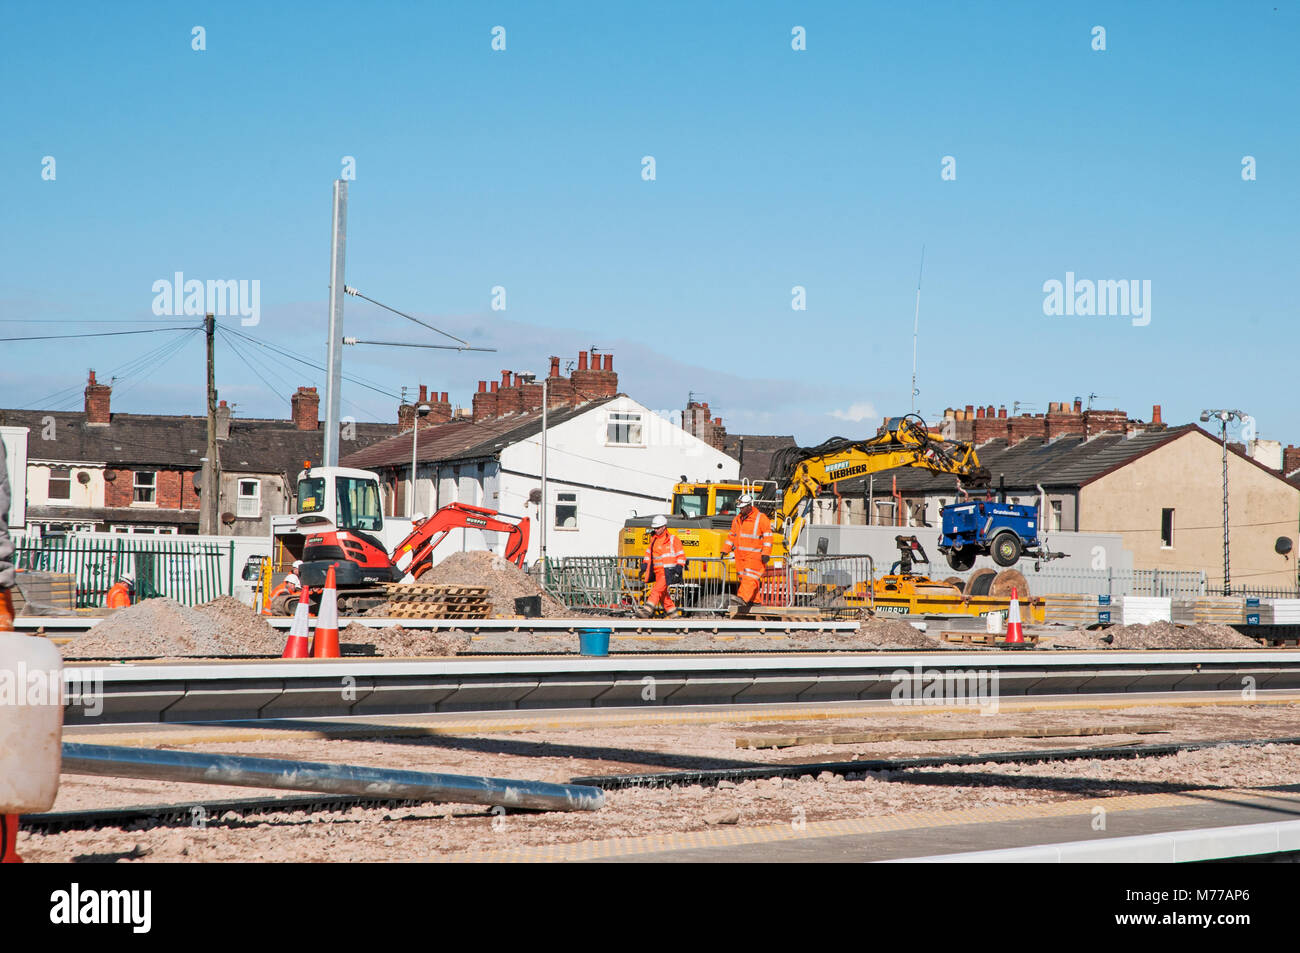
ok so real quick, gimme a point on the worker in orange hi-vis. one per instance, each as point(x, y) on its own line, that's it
point(751, 541)
point(288, 591)
point(7, 579)
point(120, 593)
point(664, 562)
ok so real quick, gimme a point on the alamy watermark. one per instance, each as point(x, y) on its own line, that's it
point(1086, 298)
point(222, 297)
point(81, 687)
point(974, 687)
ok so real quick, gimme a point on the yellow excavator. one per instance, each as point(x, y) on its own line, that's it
point(702, 511)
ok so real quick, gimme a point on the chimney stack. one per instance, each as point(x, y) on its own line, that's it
point(223, 421)
point(1155, 414)
point(485, 402)
point(306, 408)
point(97, 403)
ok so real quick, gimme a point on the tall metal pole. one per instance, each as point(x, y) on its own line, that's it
point(209, 512)
point(916, 325)
point(545, 411)
point(1227, 576)
point(415, 441)
point(334, 351)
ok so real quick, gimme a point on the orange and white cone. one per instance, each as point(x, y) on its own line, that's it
point(1014, 631)
point(297, 646)
point(326, 643)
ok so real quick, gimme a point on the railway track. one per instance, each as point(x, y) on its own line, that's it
point(202, 813)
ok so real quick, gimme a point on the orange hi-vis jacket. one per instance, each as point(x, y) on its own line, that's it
point(665, 550)
point(750, 537)
point(119, 596)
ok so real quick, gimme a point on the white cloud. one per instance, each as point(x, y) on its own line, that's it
point(856, 413)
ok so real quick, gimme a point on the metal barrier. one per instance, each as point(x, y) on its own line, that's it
point(841, 585)
point(189, 572)
point(614, 583)
point(1116, 583)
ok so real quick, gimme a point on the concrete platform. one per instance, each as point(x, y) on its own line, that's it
point(932, 834)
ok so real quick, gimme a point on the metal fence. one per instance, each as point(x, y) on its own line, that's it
point(614, 583)
point(1263, 592)
point(188, 571)
point(1115, 583)
point(839, 584)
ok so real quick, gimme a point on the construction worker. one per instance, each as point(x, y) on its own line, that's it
point(289, 588)
point(751, 541)
point(121, 592)
point(7, 580)
point(665, 559)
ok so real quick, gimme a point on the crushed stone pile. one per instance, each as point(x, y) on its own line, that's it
point(505, 580)
point(1156, 635)
point(397, 642)
point(163, 628)
point(885, 633)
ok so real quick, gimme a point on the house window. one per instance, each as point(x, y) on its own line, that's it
point(146, 484)
point(566, 510)
point(60, 483)
point(1055, 516)
point(624, 429)
point(249, 504)
point(1167, 529)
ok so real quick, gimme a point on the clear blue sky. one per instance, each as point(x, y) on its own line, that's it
point(775, 168)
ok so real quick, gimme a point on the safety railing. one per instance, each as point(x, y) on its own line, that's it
point(840, 585)
point(189, 572)
point(613, 583)
point(1116, 583)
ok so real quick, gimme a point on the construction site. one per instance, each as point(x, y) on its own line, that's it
point(551, 521)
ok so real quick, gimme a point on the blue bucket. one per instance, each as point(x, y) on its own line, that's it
point(593, 641)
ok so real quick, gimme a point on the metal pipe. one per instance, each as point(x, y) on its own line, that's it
point(202, 768)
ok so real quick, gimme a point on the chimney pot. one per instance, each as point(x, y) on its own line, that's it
point(1155, 414)
point(609, 362)
point(424, 393)
point(555, 366)
point(979, 413)
point(505, 378)
point(495, 387)
point(1002, 412)
point(582, 360)
point(482, 387)
point(444, 398)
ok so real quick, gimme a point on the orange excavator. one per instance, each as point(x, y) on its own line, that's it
point(362, 565)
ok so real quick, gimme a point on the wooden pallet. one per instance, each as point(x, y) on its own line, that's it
point(426, 610)
point(987, 638)
point(415, 592)
point(782, 613)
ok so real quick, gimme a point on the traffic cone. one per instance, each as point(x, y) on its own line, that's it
point(326, 643)
point(296, 647)
point(1015, 634)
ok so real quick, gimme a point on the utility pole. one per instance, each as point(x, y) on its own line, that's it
point(1224, 416)
point(209, 510)
point(334, 350)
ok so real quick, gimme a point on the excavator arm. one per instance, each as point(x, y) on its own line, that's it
point(804, 472)
point(414, 555)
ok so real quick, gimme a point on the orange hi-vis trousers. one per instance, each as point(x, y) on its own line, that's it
point(665, 550)
point(751, 539)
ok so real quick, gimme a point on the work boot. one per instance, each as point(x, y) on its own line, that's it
point(733, 601)
point(6, 611)
point(675, 614)
point(644, 611)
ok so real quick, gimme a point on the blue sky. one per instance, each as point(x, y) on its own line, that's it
point(774, 168)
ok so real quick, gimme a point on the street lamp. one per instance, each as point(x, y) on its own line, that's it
point(529, 379)
point(421, 411)
point(1223, 417)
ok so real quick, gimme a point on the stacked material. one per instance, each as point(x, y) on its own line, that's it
point(418, 601)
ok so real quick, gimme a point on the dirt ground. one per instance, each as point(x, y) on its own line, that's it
point(446, 831)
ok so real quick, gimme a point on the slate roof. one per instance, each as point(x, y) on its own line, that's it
point(165, 442)
point(759, 450)
point(1063, 463)
point(462, 439)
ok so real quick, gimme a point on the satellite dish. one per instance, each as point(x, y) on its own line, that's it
point(110, 475)
point(227, 517)
point(1282, 546)
point(83, 477)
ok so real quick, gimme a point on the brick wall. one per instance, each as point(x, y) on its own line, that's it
point(173, 489)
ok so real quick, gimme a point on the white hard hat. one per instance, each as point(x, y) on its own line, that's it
point(128, 578)
point(297, 563)
point(659, 522)
point(745, 500)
